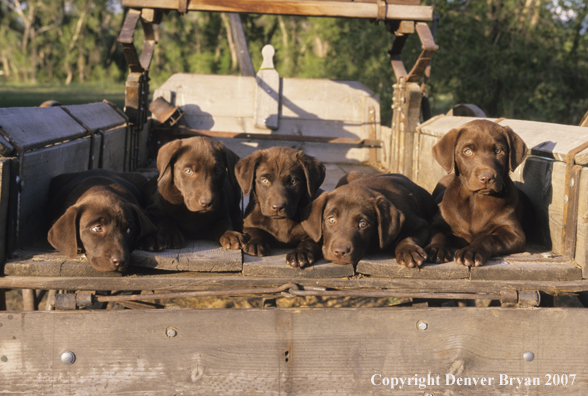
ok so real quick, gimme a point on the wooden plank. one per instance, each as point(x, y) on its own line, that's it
point(198, 256)
point(243, 55)
point(114, 145)
point(189, 281)
point(582, 231)
point(53, 267)
point(4, 198)
point(383, 265)
point(275, 266)
point(428, 172)
point(345, 351)
point(35, 127)
point(97, 115)
point(512, 270)
point(296, 7)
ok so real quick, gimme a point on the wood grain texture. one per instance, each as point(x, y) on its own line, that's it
point(198, 256)
point(290, 351)
point(297, 7)
point(582, 231)
point(383, 265)
point(34, 127)
point(275, 266)
point(188, 281)
point(507, 270)
point(97, 115)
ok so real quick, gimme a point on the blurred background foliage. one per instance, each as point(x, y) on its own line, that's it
point(525, 59)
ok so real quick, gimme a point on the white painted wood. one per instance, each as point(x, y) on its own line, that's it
point(267, 92)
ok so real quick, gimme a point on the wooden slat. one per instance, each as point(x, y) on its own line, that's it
point(291, 352)
point(35, 127)
point(275, 266)
point(208, 281)
point(199, 256)
point(380, 265)
point(97, 115)
point(4, 198)
point(296, 7)
point(582, 231)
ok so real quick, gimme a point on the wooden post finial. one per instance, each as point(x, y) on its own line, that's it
point(268, 53)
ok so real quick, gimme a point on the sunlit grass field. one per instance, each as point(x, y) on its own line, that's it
point(23, 95)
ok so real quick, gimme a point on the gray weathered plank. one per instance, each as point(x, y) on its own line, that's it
point(582, 231)
point(383, 265)
point(517, 270)
point(51, 264)
point(291, 351)
point(275, 266)
point(97, 115)
point(35, 127)
point(198, 256)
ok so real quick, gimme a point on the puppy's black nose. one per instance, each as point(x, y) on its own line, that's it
point(486, 178)
point(341, 251)
point(205, 202)
point(278, 206)
point(117, 261)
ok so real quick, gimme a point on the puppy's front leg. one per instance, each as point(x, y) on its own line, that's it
point(306, 253)
point(224, 234)
point(504, 240)
point(409, 251)
point(258, 243)
point(439, 249)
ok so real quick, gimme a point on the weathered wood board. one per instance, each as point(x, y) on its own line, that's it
point(275, 266)
point(342, 351)
point(4, 198)
point(582, 231)
point(199, 256)
point(307, 107)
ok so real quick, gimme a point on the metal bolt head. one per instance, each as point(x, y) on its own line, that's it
point(68, 357)
point(171, 332)
point(4, 358)
point(422, 325)
point(529, 356)
point(429, 394)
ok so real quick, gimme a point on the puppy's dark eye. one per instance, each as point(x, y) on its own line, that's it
point(218, 171)
point(97, 228)
point(468, 152)
point(363, 224)
point(498, 151)
point(331, 220)
point(293, 182)
point(188, 171)
point(264, 180)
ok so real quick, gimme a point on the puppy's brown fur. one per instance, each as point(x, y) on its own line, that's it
point(281, 182)
point(196, 195)
point(480, 211)
point(98, 212)
point(372, 212)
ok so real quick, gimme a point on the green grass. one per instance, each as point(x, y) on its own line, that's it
point(22, 95)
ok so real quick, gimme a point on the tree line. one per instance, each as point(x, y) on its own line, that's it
point(525, 59)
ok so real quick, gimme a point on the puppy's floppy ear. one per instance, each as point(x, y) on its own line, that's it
point(517, 148)
point(166, 157)
point(63, 235)
point(314, 171)
point(245, 170)
point(390, 220)
point(312, 216)
point(444, 150)
point(231, 160)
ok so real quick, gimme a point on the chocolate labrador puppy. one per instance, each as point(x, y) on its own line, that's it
point(195, 195)
point(369, 213)
point(281, 181)
point(98, 212)
point(480, 211)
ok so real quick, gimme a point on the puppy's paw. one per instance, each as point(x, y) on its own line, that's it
point(410, 255)
point(470, 257)
point(437, 253)
point(232, 240)
point(300, 258)
point(256, 248)
point(170, 238)
point(149, 243)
